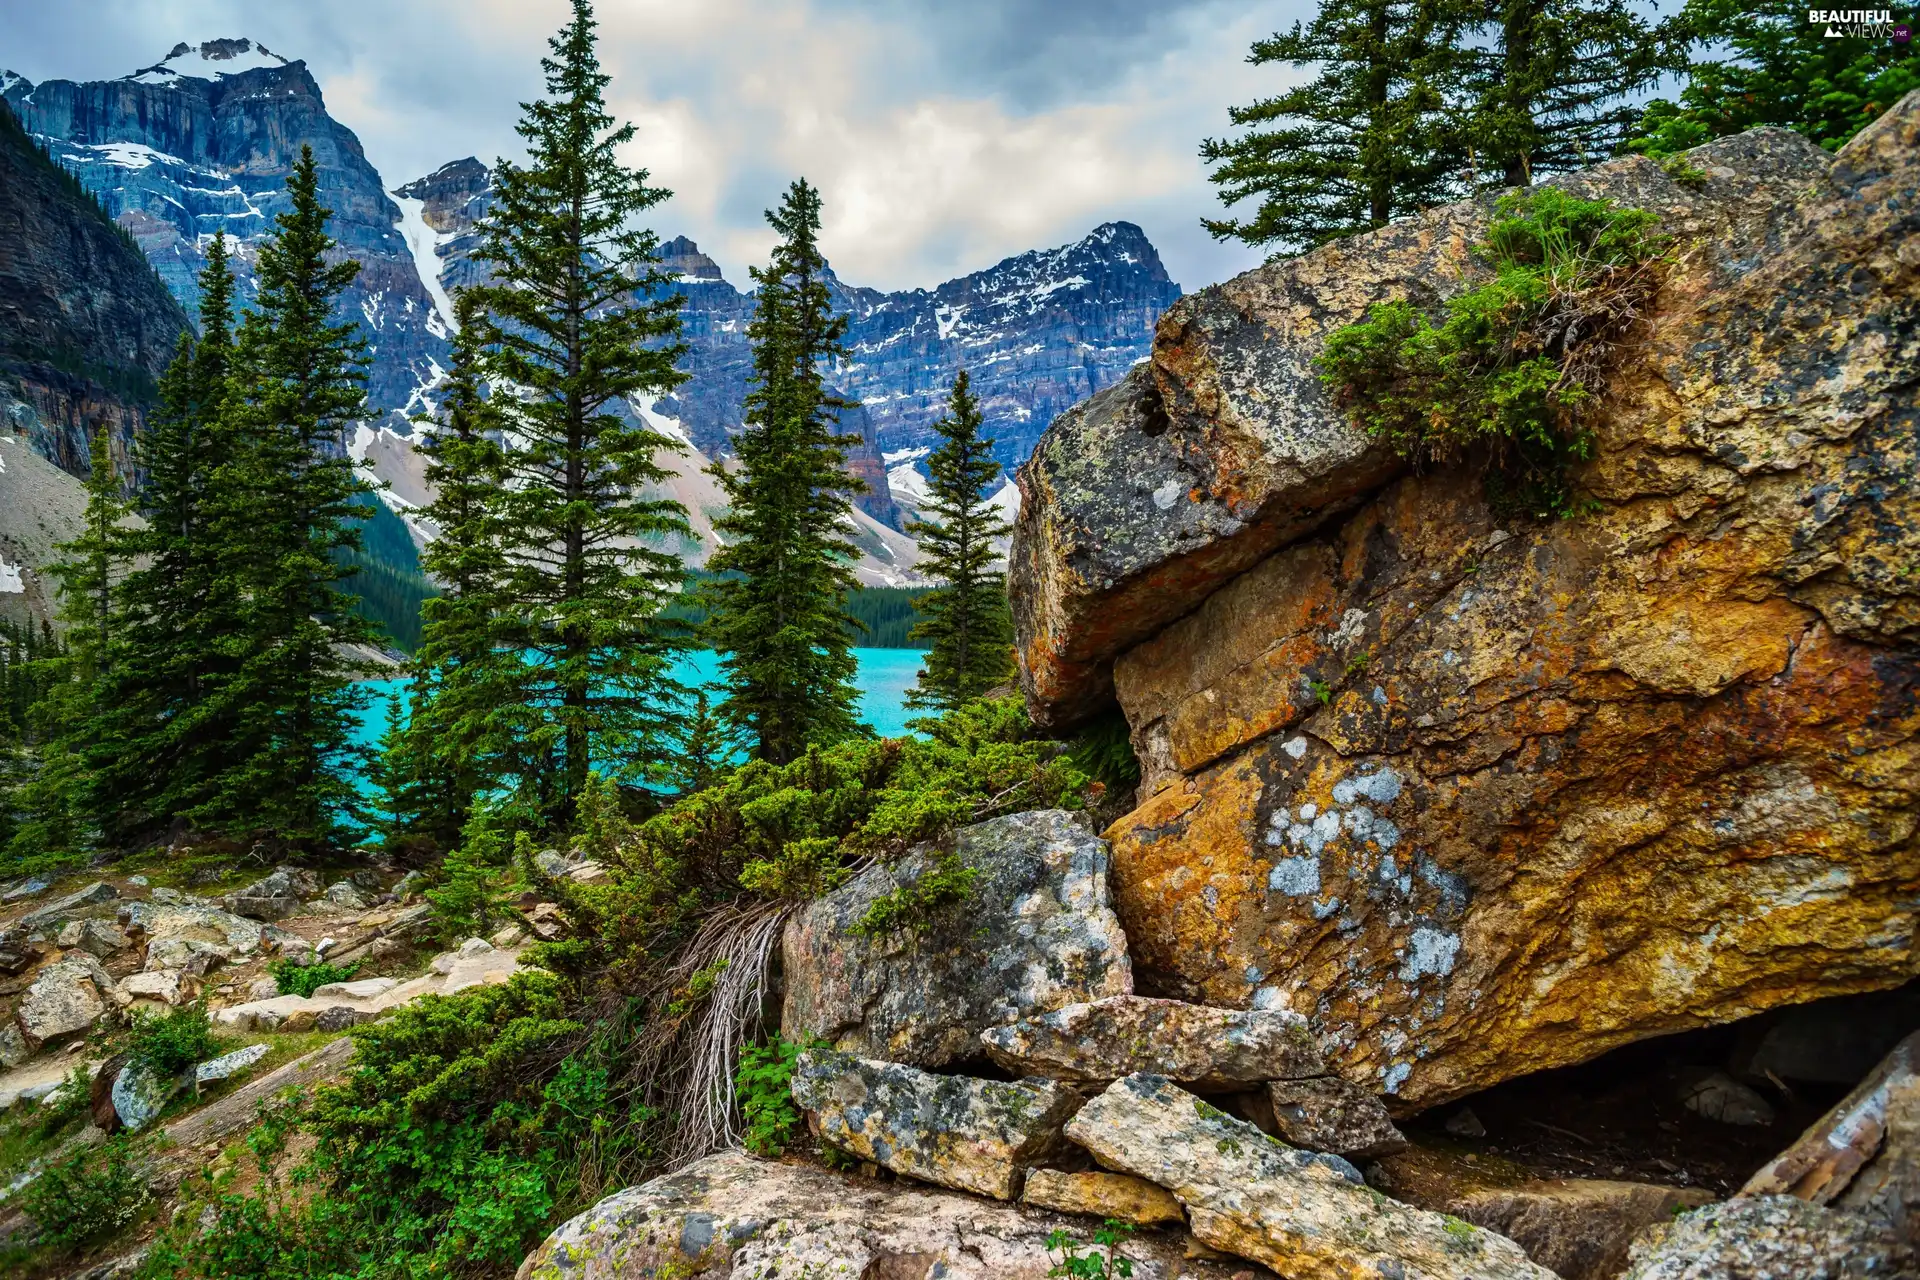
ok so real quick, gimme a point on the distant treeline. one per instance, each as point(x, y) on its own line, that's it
point(887, 613)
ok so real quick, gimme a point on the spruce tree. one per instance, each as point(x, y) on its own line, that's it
point(778, 612)
point(466, 699)
point(1777, 69)
point(1355, 147)
point(1547, 86)
point(966, 618)
point(162, 748)
point(286, 522)
point(579, 320)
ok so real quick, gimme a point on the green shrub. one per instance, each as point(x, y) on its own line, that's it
point(1517, 360)
point(1104, 1263)
point(86, 1197)
point(470, 901)
point(914, 905)
point(168, 1043)
point(296, 979)
point(764, 1084)
point(67, 1104)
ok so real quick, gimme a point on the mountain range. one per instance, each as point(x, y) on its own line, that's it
point(203, 139)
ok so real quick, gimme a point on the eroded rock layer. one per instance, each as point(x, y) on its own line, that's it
point(1479, 797)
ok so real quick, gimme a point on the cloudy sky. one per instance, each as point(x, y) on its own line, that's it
point(945, 136)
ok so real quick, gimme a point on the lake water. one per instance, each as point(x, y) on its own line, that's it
point(885, 676)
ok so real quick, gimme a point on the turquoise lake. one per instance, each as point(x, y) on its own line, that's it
point(885, 676)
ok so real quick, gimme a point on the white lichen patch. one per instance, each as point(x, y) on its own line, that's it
point(1297, 877)
point(1382, 786)
point(1429, 951)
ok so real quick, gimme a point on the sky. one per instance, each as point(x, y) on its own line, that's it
point(944, 136)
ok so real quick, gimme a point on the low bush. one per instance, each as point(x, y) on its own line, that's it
point(168, 1043)
point(1516, 362)
point(86, 1197)
point(296, 979)
point(915, 905)
point(764, 1084)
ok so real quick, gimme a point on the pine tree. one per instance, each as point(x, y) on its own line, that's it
point(162, 748)
point(778, 615)
point(1355, 147)
point(466, 700)
point(580, 320)
point(286, 522)
point(1547, 86)
point(1782, 70)
point(966, 618)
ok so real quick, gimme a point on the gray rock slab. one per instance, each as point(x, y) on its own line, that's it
point(1099, 1041)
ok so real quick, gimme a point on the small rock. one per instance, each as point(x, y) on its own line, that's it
point(162, 985)
point(508, 937)
point(14, 1048)
point(102, 938)
point(338, 1018)
point(1768, 1238)
point(263, 988)
point(325, 945)
point(346, 894)
point(548, 921)
point(1102, 1195)
point(1100, 1041)
point(139, 1094)
point(359, 989)
point(1297, 1212)
point(79, 900)
point(410, 883)
point(66, 996)
point(229, 1065)
point(475, 947)
point(587, 872)
point(551, 863)
point(385, 949)
point(69, 935)
point(1328, 1113)
point(290, 1023)
point(1718, 1096)
point(972, 1135)
point(1464, 1124)
point(138, 882)
point(444, 962)
point(24, 889)
point(186, 953)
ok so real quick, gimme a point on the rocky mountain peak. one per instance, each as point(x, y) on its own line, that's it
point(211, 59)
point(683, 256)
point(453, 196)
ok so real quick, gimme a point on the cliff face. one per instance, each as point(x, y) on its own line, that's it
point(204, 141)
point(85, 327)
point(1481, 798)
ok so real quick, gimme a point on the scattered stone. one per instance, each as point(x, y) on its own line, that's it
point(21, 890)
point(66, 996)
point(69, 935)
point(1301, 1213)
point(265, 987)
point(1863, 1155)
point(346, 895)
point(14, 1048)
point(1767, 1238)
point(474, 947)
point(101, 938)
point(58, 911)
point(138, 882)
point(444, 962)
point(1103, 1196)
point(228, 1065)
point(548, 921)
point(730, 1215)
point(139, 1094)
point(587, 872)
point(385, 949)
point(1036, 933)
point(410, 883)
point(552, 864)
point(241, 1108)
point(187, 953)
point(124, 1266)
point(1718, 1096)
point(153, 984)
point(178, 920)
point(338, 1018)
point(1328, 1113)
point(972, 1135)
point(1102, 1040)
point(1464, 1124)
point(359, 989)
point(509, 936)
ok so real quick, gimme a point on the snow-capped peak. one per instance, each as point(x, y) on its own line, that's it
point(208, 59)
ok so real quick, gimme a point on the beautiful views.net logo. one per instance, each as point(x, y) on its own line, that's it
point(1840, 23)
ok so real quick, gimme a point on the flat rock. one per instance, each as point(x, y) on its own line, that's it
point(228, 1065)
point(1101, 1195)
point(185, 921)
point(291, 1012)
point(21, 890)
point(1327, 1113)
point(159, 984)
point(972, 1135)
point(1301, 1213)
point(359, 989)
point(61, 909)
point(101, 938)
point(1768, 1238)
point(1099, 1041)
point(1863, 1155)
point(66, 996)
point(274, 896)
point(33, 1081)
point(1036, 933)
point(732, 1217)
point(241, 1108)
point(1485, 796)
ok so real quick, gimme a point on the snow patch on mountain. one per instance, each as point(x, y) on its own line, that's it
point(209, 58)
point(424, 243)
point(11, 582)
point(660, 422)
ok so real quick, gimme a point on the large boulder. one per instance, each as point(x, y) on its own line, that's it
point(1767, 1238)
point(72, 906)
point(274, 896)
point(731, 1217)
point(1102, 1040)
point(1300, 1213)
point(1863, 1155)
point(68, 995)
point(1037, 932)
point(178, 928)
point(1481, 797)
point(972, 1135)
